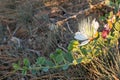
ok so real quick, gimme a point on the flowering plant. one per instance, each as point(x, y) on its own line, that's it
point(107, 27)
point(89, 44)
point(87, 31)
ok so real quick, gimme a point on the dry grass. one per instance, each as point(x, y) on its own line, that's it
point(30, 21)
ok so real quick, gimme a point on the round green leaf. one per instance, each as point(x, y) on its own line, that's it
point(40, 60)
point(45, 69)
point(65, 66)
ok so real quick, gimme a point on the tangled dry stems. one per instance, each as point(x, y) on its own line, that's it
point(38, 40)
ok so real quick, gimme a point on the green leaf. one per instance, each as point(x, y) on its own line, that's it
point(52, 55)
point(58, 51)
point(84, 51)
point(70, 47)
point(102, 18)
point(110, 14)
point(40, 60)
point(24, 71)
point(34, 72)
point(79, 60)
point(95, 52)
point(45, 69)
point(73, 44)
point(49, 63)
point(65, 66)
point(117, 25)
point(59, 58)
point(26, 62)
point(16, 66)
point(68, 57)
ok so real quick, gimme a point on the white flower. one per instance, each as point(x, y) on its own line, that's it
point(80, 36)
point(95, 24)
point(87, 30)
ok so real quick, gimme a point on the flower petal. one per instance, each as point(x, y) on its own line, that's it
point(84, 42)
point(95, 35)
point(105, 33)
point(80, 36)
point(75, 62)
point(95, 24)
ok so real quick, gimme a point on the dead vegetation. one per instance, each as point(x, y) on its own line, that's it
point(32, 28)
